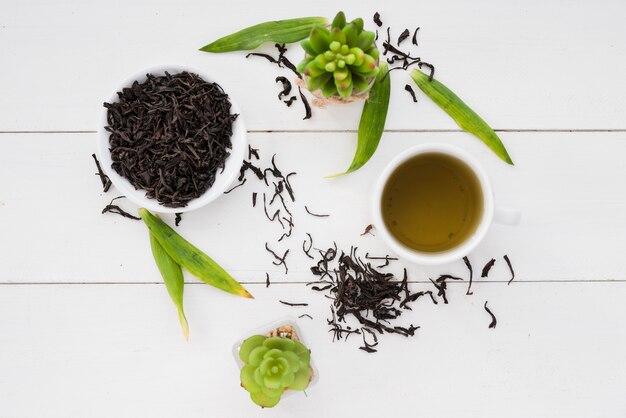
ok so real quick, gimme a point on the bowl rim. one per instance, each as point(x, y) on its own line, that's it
point(223, 178)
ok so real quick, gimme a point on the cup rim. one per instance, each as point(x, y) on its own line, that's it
point(223, 179)
point(453, 254)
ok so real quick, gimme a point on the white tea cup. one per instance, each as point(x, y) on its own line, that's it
point(489, 214)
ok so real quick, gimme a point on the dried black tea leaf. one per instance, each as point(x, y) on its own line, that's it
point(494, 322)
point(441, 284)
point(106, 181)
point(236, 186)
point(267, 280)
point(254, 199)
point(252, 152)
point(414, 39)
point(368, 230)
point(306, 250)
point(307, 107)
point(387, 259)
point(286, 86)
point(360, 291)
point(282, 59)
point(377, 20)
point(177, 218)
point(471, 275)
point(305, 315)
point(293, 304)
point(266, 56)
point(430, 67)
point(408, 88)
point(487, 267)
point(289, 101)
point(111, 208)
point(278, 259)
point(508, 263)
point(404, 35)
point(170, 135)
point(315, 214)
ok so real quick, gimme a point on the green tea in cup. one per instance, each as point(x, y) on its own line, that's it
point(432, 202)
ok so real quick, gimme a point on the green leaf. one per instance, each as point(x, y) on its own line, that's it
point(247, 379)
point(250, 344)
point(265, 400)
point(302, 379)
point(257, 355)
point(173, 278)
point(284, 344)
point(191, 258)
point(465, 117)
point(372, 122)
point(280, 31)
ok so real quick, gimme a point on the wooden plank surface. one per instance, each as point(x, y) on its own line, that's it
point(117, 350)
point(87, 329)
point(573, 208)
point(526, 65)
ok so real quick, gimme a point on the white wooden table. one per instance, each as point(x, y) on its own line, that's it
point(87, 328)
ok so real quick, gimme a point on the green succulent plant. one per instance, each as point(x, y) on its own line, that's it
point(340, 60)
point(272, 365)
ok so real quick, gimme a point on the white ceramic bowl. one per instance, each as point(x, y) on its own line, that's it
point(223, 179)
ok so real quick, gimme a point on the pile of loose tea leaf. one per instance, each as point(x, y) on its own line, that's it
point(170, 135)
point(374, 298)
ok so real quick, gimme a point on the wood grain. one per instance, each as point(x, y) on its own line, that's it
point(531, 65)
point(573, 209)
point(117, 350)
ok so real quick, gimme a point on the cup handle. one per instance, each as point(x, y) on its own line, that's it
point(507, 216)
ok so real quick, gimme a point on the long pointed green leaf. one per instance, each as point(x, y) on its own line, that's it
point(465, 117)
point(190, 258)
point(372, 122)
point(281, 31)
point(173, 278)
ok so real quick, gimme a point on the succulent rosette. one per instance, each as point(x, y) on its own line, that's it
point(273, 365)
point(341, 60)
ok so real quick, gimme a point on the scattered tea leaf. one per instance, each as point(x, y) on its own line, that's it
point(377, 20)
point(286, 86)
point(305, 315)
point(315, 214)
point(368, 230)
point(405, 34)
point(282, 31)
point(278, 259)
point(461, 113)
point(411, 92)
point(487, 267)
point(177, 218)
point(494, 321)
point(307, 107)
point(471, 275)
point(236, 186)
point(508, 263)
point(306, 250)
point(252, 152)
point(293, 304)
point(106, 181)
point(111, 208)
point(414, 39)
